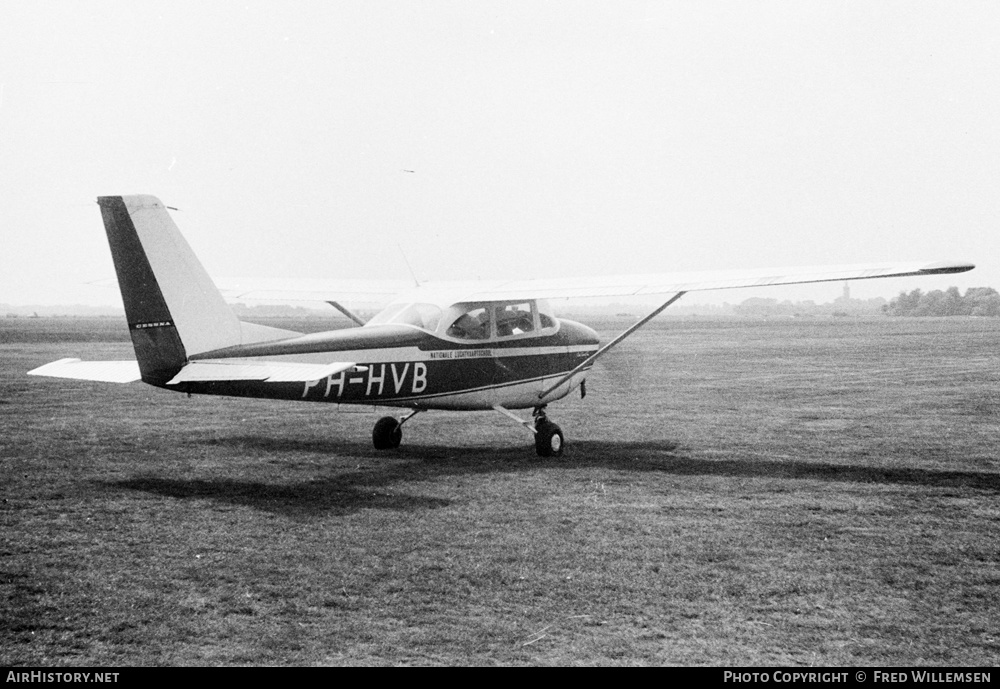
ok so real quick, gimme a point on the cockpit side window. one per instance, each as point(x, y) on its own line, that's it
point(514, 319)
point(498, 321)
point(473, 324)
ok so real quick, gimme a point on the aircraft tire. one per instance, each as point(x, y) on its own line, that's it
point(387, 434)
point(549, 441)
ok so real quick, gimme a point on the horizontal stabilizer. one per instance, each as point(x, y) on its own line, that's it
point(244, 369)
point(104, 371)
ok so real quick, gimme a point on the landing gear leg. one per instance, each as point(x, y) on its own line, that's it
point(388, 432)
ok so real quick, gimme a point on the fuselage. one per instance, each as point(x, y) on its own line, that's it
point(405, 366)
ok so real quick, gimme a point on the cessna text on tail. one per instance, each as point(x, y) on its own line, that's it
point(459, 346)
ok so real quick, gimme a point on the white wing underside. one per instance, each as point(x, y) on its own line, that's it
point(671, 283)
point(578, 287)
point(375, 291)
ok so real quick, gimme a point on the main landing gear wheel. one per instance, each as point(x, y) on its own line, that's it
point(387, 434)
point(549, 440)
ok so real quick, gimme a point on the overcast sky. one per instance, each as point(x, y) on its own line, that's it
point(545, 138)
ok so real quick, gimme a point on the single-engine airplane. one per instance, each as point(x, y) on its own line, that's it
point(450, 345)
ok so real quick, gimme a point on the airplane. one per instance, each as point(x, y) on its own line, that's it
point(450, 345)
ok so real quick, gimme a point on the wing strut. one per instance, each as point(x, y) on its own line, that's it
point(345, 311)
point(593, 357)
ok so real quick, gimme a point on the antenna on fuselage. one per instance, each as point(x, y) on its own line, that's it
point(399, 196)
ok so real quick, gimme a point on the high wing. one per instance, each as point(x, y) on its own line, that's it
point(672, 283)
point(333, 292)
point(582, 287)
point(265, 289)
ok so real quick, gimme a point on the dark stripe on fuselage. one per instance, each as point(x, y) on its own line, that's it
point(426, 371)
point(410, 383)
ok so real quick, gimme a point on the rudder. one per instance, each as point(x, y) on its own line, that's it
point(173, 308)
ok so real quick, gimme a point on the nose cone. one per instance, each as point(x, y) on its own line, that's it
point(578, 333)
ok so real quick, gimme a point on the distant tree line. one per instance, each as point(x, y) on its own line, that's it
point(770, 308)
point(977, 301)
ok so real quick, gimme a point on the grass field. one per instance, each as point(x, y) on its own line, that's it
point(819, 492)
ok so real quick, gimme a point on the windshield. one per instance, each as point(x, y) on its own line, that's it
point(424, 316)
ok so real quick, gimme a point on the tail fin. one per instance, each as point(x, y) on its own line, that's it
point(173, 308)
